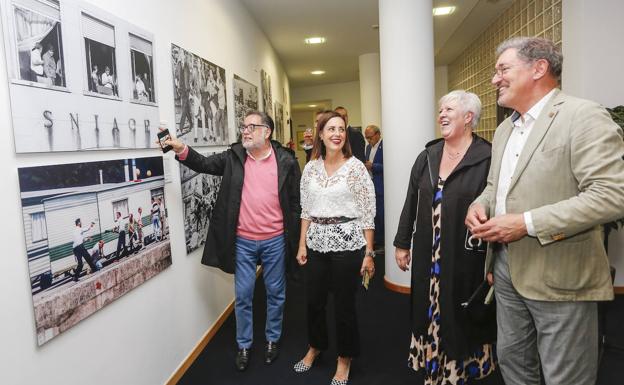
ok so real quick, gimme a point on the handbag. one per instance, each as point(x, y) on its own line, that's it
point(481, 305)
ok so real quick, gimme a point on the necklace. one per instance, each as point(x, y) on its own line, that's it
point(458, 154)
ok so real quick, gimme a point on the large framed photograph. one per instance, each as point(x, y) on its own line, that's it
point(279, 122)
point(265, 88)
point(199, 196)
point(91, 99)
point(245, 99)
point(94, 231)
point(199, 99)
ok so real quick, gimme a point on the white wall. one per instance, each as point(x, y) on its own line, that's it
point(341, 94)
point(142, 337)
point(593, 68)
point(441, 89)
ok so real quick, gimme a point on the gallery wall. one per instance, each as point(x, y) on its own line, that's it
point(142, 337)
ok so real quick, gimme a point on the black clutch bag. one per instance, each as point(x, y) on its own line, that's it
point(481, 305)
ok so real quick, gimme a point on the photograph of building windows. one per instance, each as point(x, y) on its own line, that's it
point(100, 97)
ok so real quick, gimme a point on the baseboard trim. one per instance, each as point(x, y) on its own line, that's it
point(618, 289)
point(396, 287)
point(192, 356)
point(188, 361)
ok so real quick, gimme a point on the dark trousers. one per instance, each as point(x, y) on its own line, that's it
point(338, 272)
point(80, 252)
point(121, 244)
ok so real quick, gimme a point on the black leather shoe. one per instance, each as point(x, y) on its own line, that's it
point(242, 359)
point(271, 352)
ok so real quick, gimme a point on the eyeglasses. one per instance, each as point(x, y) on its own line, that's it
point(250, 127)
point(370, 136)
point(502, 70)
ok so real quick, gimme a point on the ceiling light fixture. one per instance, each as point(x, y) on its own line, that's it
point(311, 105)
point(315, 40)
point(317, 72)
point(441, 11)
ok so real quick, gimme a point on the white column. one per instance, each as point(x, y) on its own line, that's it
point(370, 90)
point(407, 100)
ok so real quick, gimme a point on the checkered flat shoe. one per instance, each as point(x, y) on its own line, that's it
point(339, 382)
point(300, 367)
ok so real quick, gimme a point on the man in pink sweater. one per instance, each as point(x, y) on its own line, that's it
point(255, 218)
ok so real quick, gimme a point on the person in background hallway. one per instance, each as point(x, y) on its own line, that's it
point(308, 137)
point(557, 175)
point(374, 165)
point(355, 137)
point(336, 242)
point(255, 217)
point(79, 249)
point(449, 344)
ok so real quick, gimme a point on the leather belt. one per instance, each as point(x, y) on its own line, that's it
point(331, 220)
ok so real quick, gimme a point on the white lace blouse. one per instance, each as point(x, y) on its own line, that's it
point(349, 192)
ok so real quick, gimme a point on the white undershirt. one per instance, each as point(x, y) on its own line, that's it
point(523, 126)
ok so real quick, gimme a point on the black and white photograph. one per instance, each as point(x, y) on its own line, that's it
point(279, 122)
point(245, 99)
point(265, 88)
point(199, 99)
point(141, 57)
point(199, 195)
point(77, 88)
point(94, 231)
point(100, 59)
point(39, 43)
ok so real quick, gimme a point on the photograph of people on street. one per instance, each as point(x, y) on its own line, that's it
point(199, 99)
point(199, 195)
point(93, 231)
point(245, 99)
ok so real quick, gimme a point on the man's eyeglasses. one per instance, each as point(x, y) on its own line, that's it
point(502, 70)
point(250, 127)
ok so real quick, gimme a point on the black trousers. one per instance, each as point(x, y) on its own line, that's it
point(121, 244)
point(81, 252)
point(338, 272)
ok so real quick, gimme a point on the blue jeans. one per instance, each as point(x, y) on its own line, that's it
point(271, 255)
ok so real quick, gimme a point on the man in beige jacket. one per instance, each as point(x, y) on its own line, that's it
point(557, 174)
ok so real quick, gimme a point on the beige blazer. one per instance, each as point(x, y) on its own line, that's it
point(570, 176)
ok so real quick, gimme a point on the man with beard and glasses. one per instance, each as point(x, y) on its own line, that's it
point(255, 218)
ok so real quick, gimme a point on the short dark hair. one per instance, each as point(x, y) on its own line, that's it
point(265, 118)
point(318, 149)
point(77, 221)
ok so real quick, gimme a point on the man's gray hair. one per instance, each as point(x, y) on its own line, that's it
point(468, 102)
point(265, 118)
point(531, 49)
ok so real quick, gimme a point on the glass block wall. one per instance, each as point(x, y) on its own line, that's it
point(472, 70)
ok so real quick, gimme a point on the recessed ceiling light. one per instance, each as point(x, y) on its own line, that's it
point(311, 105)
point(315, 40)
point(317, 72)
point(441, 11)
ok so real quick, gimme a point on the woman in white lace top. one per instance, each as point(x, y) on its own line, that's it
point(336, 243)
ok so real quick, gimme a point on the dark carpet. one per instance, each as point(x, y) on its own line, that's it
point(384, 329)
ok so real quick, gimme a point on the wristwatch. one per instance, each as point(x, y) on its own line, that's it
point(370, 253)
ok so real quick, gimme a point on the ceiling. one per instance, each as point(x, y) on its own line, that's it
point(347, 26)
